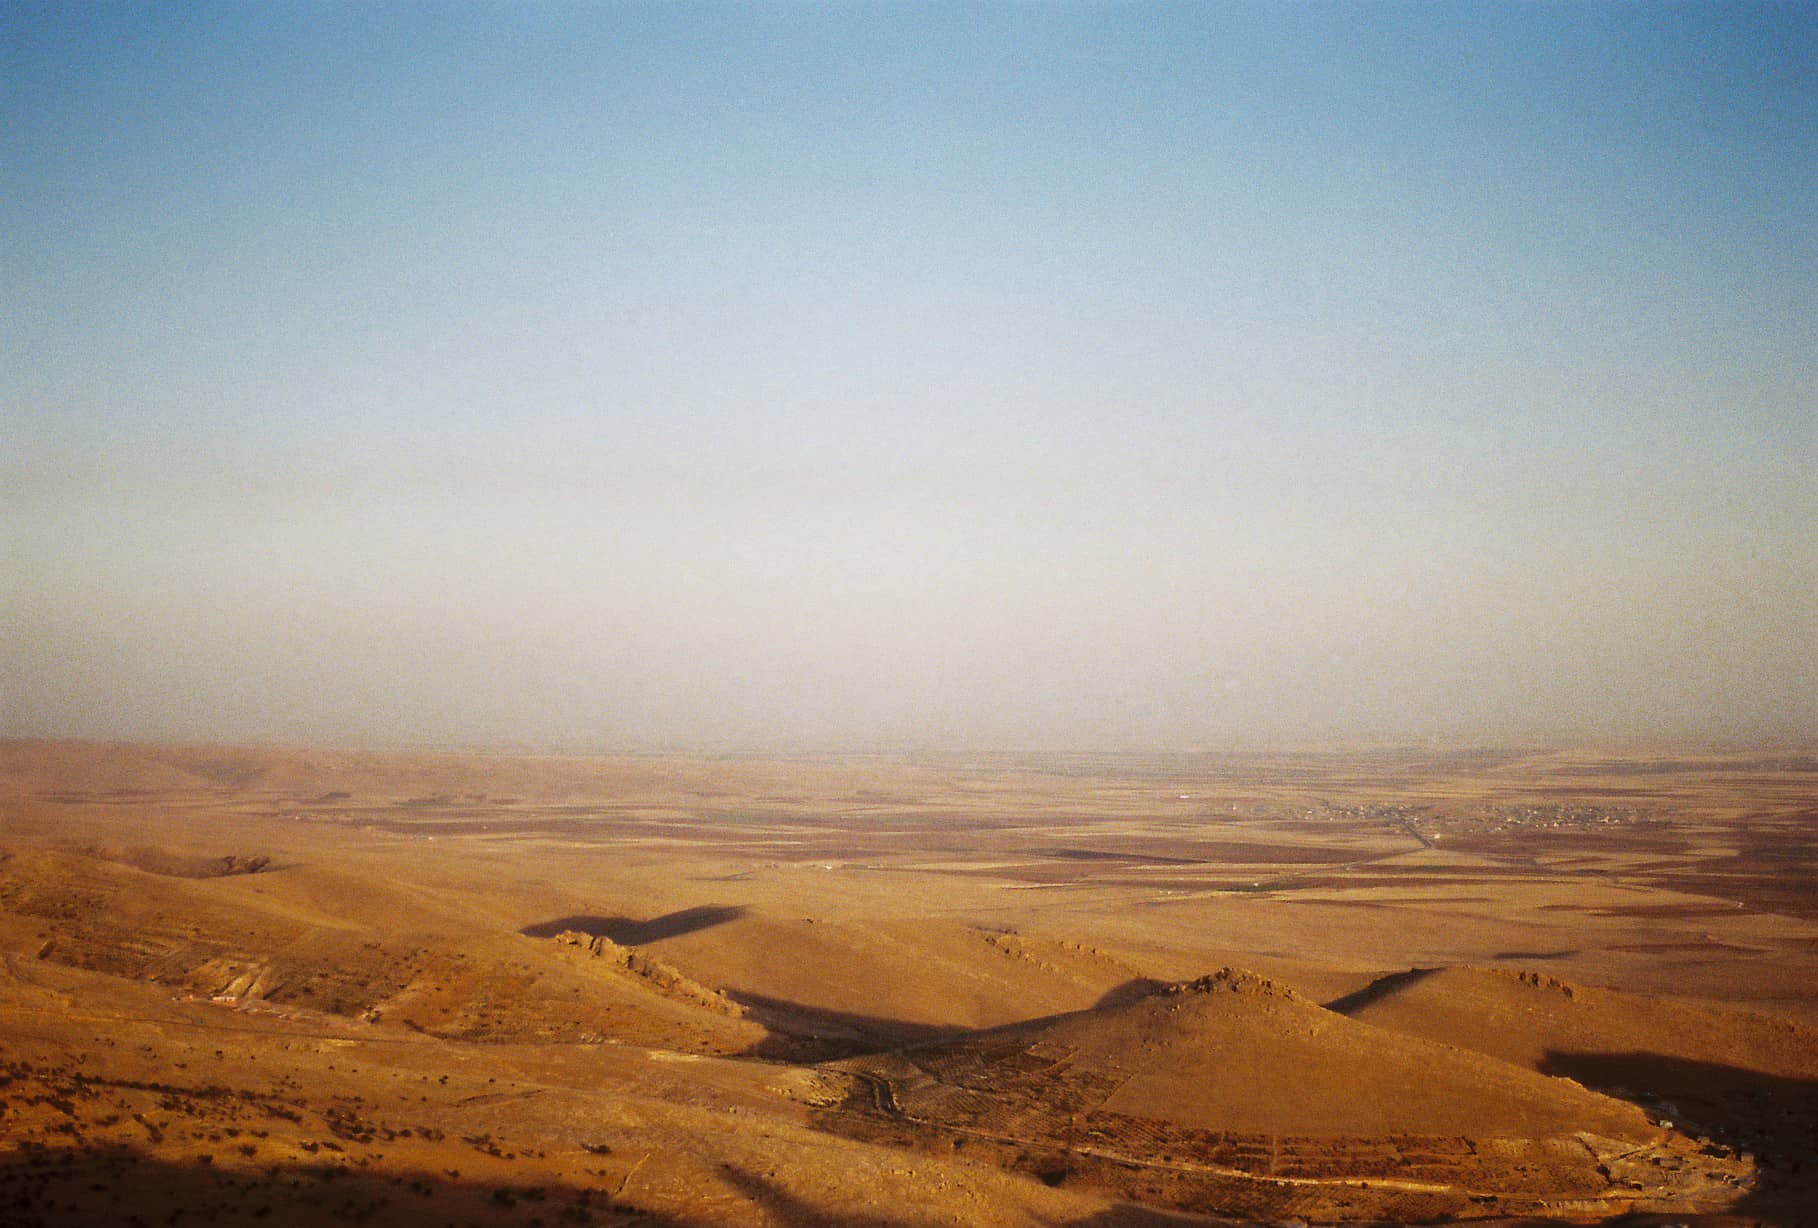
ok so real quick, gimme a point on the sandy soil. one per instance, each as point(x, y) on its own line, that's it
point(273, 986)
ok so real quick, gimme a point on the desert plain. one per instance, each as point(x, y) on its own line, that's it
point(283, 986)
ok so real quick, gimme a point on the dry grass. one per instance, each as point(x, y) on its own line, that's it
point(859, 990)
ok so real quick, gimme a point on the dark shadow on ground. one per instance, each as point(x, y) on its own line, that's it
point(114, 1186)
point(801, 1033)
point(788, 1209)
point(168, 864)
point(1772, 1118)
point(1535, 955)
point(1130, 991)
point(794, 1211)
point(630, 932)
point(1377, 990)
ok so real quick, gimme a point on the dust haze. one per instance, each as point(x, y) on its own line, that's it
point(1125, 602)
point(745, 615)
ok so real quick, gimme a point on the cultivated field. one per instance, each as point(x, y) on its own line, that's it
point(252, 986)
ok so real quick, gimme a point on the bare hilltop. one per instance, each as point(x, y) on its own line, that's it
point(311, 987)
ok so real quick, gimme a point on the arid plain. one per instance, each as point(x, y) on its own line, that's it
point(259, 986)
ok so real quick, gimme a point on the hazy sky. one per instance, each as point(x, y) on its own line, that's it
point(859, 375)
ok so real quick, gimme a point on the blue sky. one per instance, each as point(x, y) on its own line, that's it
point(885, 374)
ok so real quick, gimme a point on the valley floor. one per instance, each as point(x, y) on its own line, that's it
point(262, 986)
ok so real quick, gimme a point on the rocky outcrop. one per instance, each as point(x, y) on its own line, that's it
point(661, 976)
point(233, 980)
point(1234, 980)
point(184, 865)
point(1539, 980)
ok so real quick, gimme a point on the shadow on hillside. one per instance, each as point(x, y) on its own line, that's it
point(801, 1033)
point(789, 1209)
point(108, 1187)
point(629, 932)
point(1382, 987)
point(1130, 991)
point(1772, 1118)
point(115, 1185)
